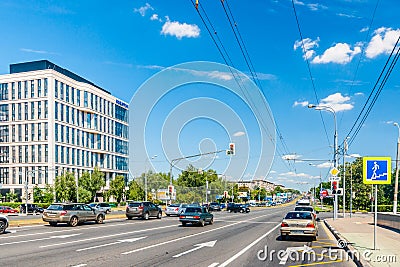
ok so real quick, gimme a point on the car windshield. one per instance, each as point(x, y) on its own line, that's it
point(55, 207)
point(135, 204)
point(303, 209)
point(174, 205)
point(92, 204)
point(298, 215)
point(198, 210)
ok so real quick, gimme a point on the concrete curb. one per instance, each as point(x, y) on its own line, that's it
point(359, 261)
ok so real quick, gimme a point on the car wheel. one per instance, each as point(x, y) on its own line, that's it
point(230, 210)
point(73, 221)
point(129, 217)
point(53, 223)
point(212, 221)
point(146, 216)
point(202, 223)
point(241, 211)
point(100, 219)
point(159, 215)
point(2, 227)
point(183, 224)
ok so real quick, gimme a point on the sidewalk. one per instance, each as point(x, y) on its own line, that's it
point(358, 232)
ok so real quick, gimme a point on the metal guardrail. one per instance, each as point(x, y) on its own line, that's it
point(391, 221)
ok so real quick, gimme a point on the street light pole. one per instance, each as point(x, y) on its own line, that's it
point(396, 182)
point(335, 147)
point(145, 177)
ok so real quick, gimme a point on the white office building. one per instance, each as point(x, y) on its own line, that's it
point(53, 121)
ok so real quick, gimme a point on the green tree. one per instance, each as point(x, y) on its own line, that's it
point(65, 187)
point(117, 187)
point(37, 194)
point(92, 182)
point(12, 196)
point(135, 191)
point(84, 195)
point(48, 194)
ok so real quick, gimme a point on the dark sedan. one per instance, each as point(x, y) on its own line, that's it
point(196, 215)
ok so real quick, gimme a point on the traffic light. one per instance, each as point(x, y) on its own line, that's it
point(334, 187)
point(225, 194)
point(231, 150)
point(170, 189)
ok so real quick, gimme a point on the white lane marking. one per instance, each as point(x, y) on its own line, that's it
point(292, 249)
point(213, 265)
point(64, 236)
point(106, 236)
point(192, 235)
point(237, 255)
point(80, 265)
point(39, 239)
point(66, 230)
point(209, 244)
point(113, 243)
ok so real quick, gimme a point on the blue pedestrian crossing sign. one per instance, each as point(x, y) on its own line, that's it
point(377, 170)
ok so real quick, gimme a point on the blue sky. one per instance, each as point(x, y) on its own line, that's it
point(120, 46)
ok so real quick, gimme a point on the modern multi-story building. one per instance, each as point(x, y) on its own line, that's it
point(53, 121)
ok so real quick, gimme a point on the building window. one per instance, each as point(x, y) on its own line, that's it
point(13, 112)
point(67, 113)
point(13, 136)
point(39, 87)
point(66, 134)
point(13, 90)
point(61, 91)
point(32, 110)
point(25, 89)
point(26, 110)
point(46, 109)
point(45, 86)
point(62, 154)
point(46, 131)
point(19, 111)
point(73, 156)
point(56, 110)
point(26, 132)
point(32, 89)
point(67, 93)
point(39, 109)
point(4, 112)
point(72, 95)
point(73, 136)
point(33, 154)
point(46, 153)
point(46, 175)
point(20, 175)
point(39, 126)
point(56, 154)
point(88, 120)
point(78, 97)
point(56, 89)
point(20, 133)
point(62, 133)
point(19, 90)
point(72, 115)
point(26, 154)
point(67, 155)
point(39, 153)
point(62, 112)
point(33, 132)
point(56, 131)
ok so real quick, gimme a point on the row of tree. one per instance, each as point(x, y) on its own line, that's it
point(362, 193)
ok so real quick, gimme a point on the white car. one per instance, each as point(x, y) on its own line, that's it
point(3, 223)
point(175, 209)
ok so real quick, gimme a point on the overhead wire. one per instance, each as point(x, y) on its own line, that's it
point(225, 60)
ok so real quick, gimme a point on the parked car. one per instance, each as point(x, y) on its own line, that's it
point(142, 209)
point(307, 208)
point(230, 206)
point(222, 206)
point(196, 215)
point(3, 223)
point(72, 214)
point(299, 223)
point(175, 209)
point(102, 206)
point(214, 206)
point(8, 210)
point(32, 208)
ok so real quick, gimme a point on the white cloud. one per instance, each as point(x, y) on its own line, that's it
point(359, 94)
point(316, 7)
point(364, 29)
point(389, 122)
point(325, 165)
point(340, 53)
point(337, 102)
point(353, 156)
point(151, 67)
point(293, 174)
point(309, 44)
point(237, 134)
point(348, 16)
point(382, 42)
point(302, 103)
point(142, 10)
point(291, 157)
point(180, 30)
point(272, 172)
point(155, 17)
point(28, 50)
point(220, 75)
point(297, 2)
point(266, 76)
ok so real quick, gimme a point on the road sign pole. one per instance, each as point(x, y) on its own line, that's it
point(375, 214)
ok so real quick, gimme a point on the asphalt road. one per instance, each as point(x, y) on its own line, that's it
point(233, 240)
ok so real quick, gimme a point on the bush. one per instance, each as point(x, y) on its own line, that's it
point(16, 205)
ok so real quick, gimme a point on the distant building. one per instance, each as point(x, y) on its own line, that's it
point(53, 121)
point(256, 183)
